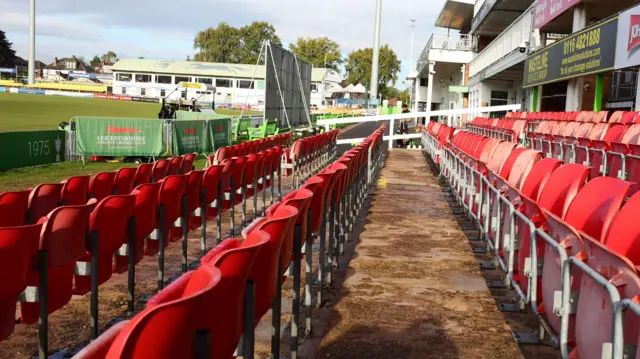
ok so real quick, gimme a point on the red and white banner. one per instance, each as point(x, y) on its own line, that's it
point(111, 97)
point(547, 10)
point(628, 42)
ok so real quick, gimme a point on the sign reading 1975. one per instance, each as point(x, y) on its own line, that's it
point(586, 52)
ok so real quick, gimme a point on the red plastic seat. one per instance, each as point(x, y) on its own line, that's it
point(175, 165)
point(591, 212)
point(502, 151)
point(224, 316)
point(160, 170)
point(63, 238)
point(109, 221)
point(101, 185)
point(43, 199)
point(522, 166)
point(212, 178)
point(193, 193)
point(75, 191)
point(172, 189)
point(187, 162)
point(99, 348)
point(265, 271)
point(167, 328)
point(143, 174)
point(18, 247)
point(144, 211)
point(13, 208)
point(124, 181)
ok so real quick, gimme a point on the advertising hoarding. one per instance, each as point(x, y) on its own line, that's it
point(628, 44)
point(547, 10)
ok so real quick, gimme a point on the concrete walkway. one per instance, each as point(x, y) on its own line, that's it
point(413, 288)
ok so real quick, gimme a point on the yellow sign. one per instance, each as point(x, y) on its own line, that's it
point(192, 85)
point(382, 183)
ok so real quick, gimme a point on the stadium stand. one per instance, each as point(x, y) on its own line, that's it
point(561, 229)
point(68, 249)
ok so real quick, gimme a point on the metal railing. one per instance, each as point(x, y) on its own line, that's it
point(451, 42)
point(507, 42)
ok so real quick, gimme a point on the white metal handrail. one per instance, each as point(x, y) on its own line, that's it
point(401, 116)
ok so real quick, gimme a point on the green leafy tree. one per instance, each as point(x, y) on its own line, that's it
point(226, 43)
point(7, 54)
point(319, 51)
point(359, 64)
point(110, 57)
point(252, 37)
point(404, 96)
point(390, 92)
point(95, 62)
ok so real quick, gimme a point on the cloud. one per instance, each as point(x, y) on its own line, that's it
point(165, 28)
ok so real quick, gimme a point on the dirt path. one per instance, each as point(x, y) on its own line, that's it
point(413, 288)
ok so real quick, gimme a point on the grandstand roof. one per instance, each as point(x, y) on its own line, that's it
point(213, 69)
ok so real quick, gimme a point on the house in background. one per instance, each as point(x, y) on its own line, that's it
point(23, 66)
point(60, 68)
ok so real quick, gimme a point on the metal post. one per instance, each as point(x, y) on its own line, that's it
point(322, 255)
point(132, 265)
point(308, 259)
point(43, 304)
point(264, 189)
point(184, 223)
point(219, 200)
point(94, 285)
point(161, 238)
point(248, 337)
point(430, 85)
point(276, 307)
point(232, 213)
point(32, 43)
point(295, 301)
point(203, 221)
point(375, 62)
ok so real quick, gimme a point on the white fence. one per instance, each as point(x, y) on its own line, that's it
point(402, 116)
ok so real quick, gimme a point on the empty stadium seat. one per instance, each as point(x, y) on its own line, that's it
point(124, 180)
point(13, 208)
point(101, 185)
point(75, 191)
point(43, 199)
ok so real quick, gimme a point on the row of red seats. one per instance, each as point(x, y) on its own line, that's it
point(581, 260)
point(301, 160)
point(501, 128)
point(208, 312)
point(73, 238)
point(434, 136)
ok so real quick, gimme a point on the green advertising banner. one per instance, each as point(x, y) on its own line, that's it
point(189, 137)
point(97, 136)
point(585, 52)
point(31, 148)
point(219, 133)
point(197, 116)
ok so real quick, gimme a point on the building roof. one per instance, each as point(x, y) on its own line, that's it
point(210, 69)
point(59, 64)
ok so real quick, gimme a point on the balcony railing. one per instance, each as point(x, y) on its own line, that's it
point(507, 42)
point(452, 42)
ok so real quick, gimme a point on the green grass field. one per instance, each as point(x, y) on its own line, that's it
point(20, 112)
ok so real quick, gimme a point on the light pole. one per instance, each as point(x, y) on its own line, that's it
point(375, 61)
point(31, 78)
point(413, 27)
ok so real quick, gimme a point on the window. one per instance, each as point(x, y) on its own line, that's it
point(124, 90)
point(245, 84)
point(163, 79)
point(180, 79)
point(70, 65)
point(207, 81)
point(163, 93)
point(314, 87)
point(143, 92)
point(424, 82)
point(123, 77)
point(143, 78)
point(499, 98)
point(224, 83)
point(183, 94)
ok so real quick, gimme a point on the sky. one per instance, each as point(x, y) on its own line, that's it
point(164, 29)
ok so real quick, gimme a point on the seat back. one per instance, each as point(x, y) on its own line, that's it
point(13, 208)
point(522, 166)
point(43, 199)
point(538, 177)
point(160, 170)
point(175, 165)
point(170, 196)
point(632, 135)
point(101, 185)
point(210, 179)
point(143, 174)
point(324, 183)
point(125, 178)
point(193, 190)
point(18, 248)
point(561, 187)
point(99, 348)
point(75, 191)
point(167, 328)
point(265, 269)
point(224, 317)
point(187, 162)
point(623, 235)
point(510, 160)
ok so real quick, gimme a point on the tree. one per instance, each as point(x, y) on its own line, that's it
point(319, 52)
point(226, 43)
point(404, 96)
point(252, 37)
point(390, 92)
point(359, 66)
point(7, 54)
point(95, 62)
point(110, 57)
